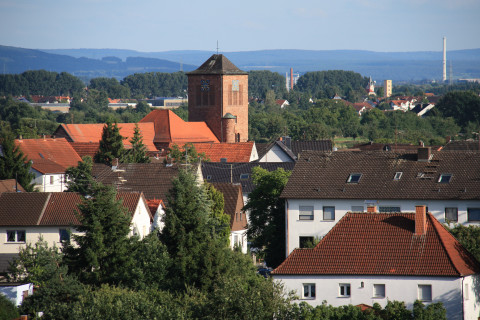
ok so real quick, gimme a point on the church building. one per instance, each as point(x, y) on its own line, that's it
point(218, 95)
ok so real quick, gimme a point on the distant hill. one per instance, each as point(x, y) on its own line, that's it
point(397, 66)
point(18, 60)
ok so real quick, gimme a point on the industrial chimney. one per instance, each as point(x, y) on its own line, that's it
point(444, 78)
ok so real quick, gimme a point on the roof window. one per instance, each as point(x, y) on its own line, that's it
point(223, 159)
point(244, 176)
point(445, 178)
point(354, 178)
point(209, 177)
point(398, 176)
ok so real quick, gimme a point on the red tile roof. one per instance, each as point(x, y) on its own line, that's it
point(47, 166)
point(171, 129)
point(233, 152)
point(154, 204)
point(233, 204)
point(86, 148)
point(50, 208)
point(92, 133)
point(56, 150)
point(383, 244)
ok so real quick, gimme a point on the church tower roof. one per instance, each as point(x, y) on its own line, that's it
point(218, 64)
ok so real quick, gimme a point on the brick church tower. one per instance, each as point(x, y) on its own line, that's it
point(218, 95)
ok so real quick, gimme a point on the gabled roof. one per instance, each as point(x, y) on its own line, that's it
point(56, 150)
point(466, 145)
point(170, 128)
point(153, 179)
point(232, 152)
point(218, 64)
point(10, 185)
point(233, 203)
point(383, 244)
point(153, 205)
point(214, 172)
point(50, 208)
point(86, 148)
point(319, 175)
point(45, 166)
point(92, 133)
point(315, 145)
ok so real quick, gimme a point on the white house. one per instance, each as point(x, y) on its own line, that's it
point(375, 257)
point(16, 292)
point(24, 217)
point(325, 186)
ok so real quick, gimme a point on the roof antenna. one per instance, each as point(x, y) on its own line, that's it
point(217, 46)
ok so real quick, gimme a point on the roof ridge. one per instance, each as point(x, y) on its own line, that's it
point(44, 209)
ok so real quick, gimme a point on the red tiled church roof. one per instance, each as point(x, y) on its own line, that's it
point(383, 244)
point(233, 152)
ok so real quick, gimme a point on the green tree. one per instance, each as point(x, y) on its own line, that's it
point(434, 311)
point(219, 218)
point(187, 154)
point(102, 254)
point(138, 152)
point(469, 237)
point(79, 178)
point(14, 164)
point(8, 310)
point(111, 144)
point(463, 106)
point(267, 214)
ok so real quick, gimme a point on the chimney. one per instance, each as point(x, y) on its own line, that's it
point(115, 164)
point(424, 154)
point(371, 208)
point(420, 220)
point(20, 137)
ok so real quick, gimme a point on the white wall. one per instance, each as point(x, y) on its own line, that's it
point(15, 292)
point(471, 297)
point(50, 234)
point(275, 154)
point(140, 221)
point(241, 237)
point(447, 290)
point(42, 182)
point(318, 227)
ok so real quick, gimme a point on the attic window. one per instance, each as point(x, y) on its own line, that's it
point(445, 178)
point(223, 159)
point(398, 176)
point(244, 176)
point(209, 177)
point(354, 178)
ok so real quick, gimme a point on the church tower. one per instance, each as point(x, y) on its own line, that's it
point(218, 95)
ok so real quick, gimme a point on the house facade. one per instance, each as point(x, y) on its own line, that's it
point(376, 257)
point(325, 186)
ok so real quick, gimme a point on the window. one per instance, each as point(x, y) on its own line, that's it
point(209, 177)
point(379, 291)
point(425, 292)
point(344, 289)
point(306, 242)
point(64, 235)
point(308, 291)
point(244, 176)
point(328, 213)
point(51, 179)
point(354, 178)
point(473, 214)
point(466, 292)
point(357, 209)
point(223, 159)
point(451, 214)
point(445, 178)
point(16, 235)
point(398, 176)
point(306, 213)
point(388, 209)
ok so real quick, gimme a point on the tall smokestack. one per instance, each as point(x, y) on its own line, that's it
point(444, 78)
point(291, 78)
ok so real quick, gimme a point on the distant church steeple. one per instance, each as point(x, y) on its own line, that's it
point(218, 95)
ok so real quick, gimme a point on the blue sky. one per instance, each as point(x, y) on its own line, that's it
point(156, 25)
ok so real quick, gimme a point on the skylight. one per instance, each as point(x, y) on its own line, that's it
point(354, 178)
point(445, 178)
point(398, 176)
point(244, 176)
point(223, 159)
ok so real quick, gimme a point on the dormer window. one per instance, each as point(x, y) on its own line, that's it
point(445, 178)
point(244, 176)
point(398, 176)
point(223, 159)
point(354, 178)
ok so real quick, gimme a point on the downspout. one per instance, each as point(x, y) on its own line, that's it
point(221, 110)
point(463, 299)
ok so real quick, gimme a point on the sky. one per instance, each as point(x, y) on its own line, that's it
point(242, 25)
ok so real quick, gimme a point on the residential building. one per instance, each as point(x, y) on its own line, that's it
point(10, 185)
point(16, 292)
point(325, 186)
point(287, 150)
point(375, 257)
point(228, 152)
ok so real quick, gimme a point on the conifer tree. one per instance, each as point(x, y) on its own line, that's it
point(102, 254)
point(80, 179)
point(138, 152)
point(111, 145)
point(221, 221)
point(14, 164)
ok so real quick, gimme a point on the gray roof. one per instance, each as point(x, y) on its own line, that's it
point(324, 175)
point(218, 64)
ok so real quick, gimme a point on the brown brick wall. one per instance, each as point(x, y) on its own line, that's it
point(210, 106)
